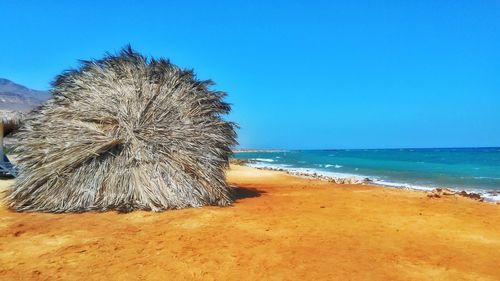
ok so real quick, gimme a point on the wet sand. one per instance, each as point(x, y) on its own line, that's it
point(280, 228)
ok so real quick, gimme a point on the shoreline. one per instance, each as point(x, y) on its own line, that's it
point(345, 178)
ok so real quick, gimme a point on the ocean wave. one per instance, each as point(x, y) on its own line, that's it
point(310, 171)
point(486, 195)
point(491, 196)
point(263, 160)
point(336, 166)
point(268, 165)
point(490, 178)
point(403, 185)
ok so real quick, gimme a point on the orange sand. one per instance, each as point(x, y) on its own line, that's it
point(280, 228)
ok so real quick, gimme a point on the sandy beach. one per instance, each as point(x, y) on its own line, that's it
point(280, 228)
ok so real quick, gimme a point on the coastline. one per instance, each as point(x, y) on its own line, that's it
point(345, 178)
point(280, 227)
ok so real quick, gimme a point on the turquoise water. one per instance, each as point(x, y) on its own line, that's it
point(472, 169)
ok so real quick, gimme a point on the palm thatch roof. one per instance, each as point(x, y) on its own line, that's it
point(125, 132)
point(11, 121)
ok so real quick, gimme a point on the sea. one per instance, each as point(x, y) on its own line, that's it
point(470, 169)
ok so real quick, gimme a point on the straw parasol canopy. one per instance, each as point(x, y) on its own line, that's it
point(125, 132)
point(10, 121)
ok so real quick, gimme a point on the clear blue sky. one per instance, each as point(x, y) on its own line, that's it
point(308, 74)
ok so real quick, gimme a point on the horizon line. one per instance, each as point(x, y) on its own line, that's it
point(386, 148)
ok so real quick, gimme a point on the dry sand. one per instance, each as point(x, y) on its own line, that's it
point(280, 228)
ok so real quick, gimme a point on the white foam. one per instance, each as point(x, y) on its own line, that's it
point(263, 160)
point(491, 197)
point(308, 171)
point(267, 165)
point(402, 185)
point(492, 178)
point(335, 166)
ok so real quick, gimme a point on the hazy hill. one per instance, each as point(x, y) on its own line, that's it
point(15, 97)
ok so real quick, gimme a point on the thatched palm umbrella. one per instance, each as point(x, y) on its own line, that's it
point(9, 121)
point(125, 132)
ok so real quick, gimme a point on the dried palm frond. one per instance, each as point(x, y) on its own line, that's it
point(11, 120)
point(125, 132)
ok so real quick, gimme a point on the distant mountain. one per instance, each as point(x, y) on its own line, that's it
point(15, 97)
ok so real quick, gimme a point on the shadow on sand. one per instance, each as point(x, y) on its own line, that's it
point(245, 192)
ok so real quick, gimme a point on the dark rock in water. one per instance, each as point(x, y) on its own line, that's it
point(471, 195)
point(439, 192)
